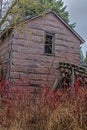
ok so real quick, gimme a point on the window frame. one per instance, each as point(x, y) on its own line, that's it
point(53, 44)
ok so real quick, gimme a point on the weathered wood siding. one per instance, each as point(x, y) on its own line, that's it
point(28, 58)
point(5, 53)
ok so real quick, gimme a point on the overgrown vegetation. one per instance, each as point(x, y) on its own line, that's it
point(21, 109)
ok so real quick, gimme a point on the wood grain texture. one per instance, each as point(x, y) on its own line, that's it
point(24, 51)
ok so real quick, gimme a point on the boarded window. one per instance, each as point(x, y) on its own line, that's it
point(49, 44)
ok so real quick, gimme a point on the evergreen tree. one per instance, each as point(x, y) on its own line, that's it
point(33, 7)
point(20, 9)
point(86, 58)
point(81, 56)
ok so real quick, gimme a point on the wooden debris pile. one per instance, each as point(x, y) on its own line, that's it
point(70, 74)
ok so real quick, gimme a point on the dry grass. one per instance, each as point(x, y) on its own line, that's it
point(33, 119)
point(64, 118)
point(69, 114)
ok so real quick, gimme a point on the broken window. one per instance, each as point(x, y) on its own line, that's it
point(49, 44)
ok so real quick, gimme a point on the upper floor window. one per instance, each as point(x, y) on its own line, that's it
point(49, 44)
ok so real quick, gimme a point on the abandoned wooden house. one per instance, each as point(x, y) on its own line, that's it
point(32, 50)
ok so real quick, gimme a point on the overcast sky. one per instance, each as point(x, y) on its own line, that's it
point(78, 13)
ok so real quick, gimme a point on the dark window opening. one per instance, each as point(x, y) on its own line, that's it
point(49, 43)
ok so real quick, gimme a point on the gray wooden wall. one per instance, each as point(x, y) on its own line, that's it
point(28, 60)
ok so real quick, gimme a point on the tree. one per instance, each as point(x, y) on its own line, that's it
point(23, 8)
point(81, 56)
point(85, 60)
point(33, 7)
point(0, 9)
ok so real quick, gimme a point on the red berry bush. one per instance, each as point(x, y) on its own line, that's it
point(21, 109)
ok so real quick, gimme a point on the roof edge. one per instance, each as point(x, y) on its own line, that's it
point(68, 26)
point(36, 16)
point(61, 19)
